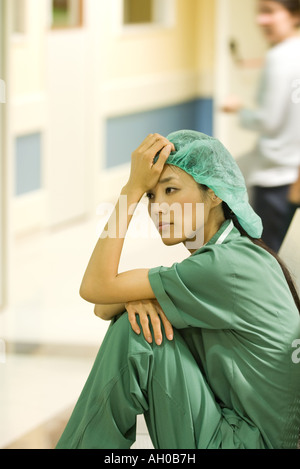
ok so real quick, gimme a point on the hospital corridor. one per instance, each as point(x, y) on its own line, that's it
point(82, 84)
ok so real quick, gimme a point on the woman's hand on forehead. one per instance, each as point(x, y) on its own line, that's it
point(145, 172)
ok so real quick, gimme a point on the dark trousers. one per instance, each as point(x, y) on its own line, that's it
point(276, 212)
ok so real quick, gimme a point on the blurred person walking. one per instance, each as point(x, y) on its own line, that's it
point(275, 160)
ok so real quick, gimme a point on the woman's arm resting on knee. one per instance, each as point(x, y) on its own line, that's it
point(127, 286)
point(146, 310)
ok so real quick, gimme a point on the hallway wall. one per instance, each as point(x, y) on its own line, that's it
point(72, 87)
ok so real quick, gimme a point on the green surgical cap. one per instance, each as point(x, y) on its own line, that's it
point(209, 163)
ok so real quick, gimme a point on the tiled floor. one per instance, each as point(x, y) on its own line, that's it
point(46, 436)
point(51, 335)
point(37, 390)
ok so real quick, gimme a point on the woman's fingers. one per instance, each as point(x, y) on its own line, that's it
point(153, 144)
point(144, 174)
point(144, 320)
point(149, 312)
point(133, 309)
point(167, 326)
point(160, 143)
point(132, 318)
point(156, 323)
point(163, 156)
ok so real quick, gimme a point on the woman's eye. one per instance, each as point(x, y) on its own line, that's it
point(169, 190)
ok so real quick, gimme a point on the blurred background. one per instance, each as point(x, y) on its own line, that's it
point(83, 82)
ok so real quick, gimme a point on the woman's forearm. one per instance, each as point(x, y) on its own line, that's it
point(102, 284)
point(104, 262)
point(108, 312)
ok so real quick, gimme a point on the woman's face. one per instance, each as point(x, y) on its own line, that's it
point(276, 21)
point(180, 209)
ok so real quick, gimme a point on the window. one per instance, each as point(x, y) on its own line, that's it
point(67, 14)
point(138, 11)
point(147, 13)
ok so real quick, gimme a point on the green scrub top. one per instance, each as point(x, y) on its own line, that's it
point(234, 309)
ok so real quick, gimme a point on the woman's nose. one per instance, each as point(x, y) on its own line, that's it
point(158, 208)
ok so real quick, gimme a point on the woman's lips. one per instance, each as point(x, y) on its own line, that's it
point(163, 225)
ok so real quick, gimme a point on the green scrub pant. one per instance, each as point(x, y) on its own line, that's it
point(131, 377)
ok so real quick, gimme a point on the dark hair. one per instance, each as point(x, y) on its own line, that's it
point(259, 242)
point(293, 6)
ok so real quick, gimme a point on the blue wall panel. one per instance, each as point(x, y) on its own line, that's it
point(204, 116)
point(125, 133)
point(28, 155)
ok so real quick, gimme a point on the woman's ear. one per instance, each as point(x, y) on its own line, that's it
point(215, 199)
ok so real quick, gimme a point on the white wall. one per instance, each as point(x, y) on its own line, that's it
point(66, 149)
point(51, 93)
point(28, 104)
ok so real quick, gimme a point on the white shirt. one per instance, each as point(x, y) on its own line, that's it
point(277, 118)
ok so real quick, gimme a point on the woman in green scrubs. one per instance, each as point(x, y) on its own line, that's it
point(204, 349)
